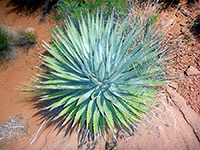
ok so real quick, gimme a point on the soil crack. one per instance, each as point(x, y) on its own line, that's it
point(184, 116)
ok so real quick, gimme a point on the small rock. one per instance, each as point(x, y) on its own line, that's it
point(32, 30)
point(166, 125)
point(183, 11)
point(192, 71)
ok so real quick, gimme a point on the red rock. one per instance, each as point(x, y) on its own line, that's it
point(192, 71)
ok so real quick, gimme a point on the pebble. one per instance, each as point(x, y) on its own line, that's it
point(32, 30)
point(192, 71)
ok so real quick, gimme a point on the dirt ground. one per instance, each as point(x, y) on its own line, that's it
point(186, 66)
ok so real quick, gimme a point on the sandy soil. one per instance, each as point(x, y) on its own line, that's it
point(19, 71)
point(14, 74)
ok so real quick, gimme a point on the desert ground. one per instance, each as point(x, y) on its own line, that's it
point(176, 124)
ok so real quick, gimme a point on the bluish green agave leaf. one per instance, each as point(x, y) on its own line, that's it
point(53, 82)
point(99, 102)
point(85, 96)
point(53, 61)
point(121, 105)
point(91, 77)
point(149, 98)
point(55, 67)
point(85, 37)
point(47, 76)
point(67, 109)
point(140, 94)
point(113, 64)
point(101, 74)
point(62, 44)
point(140, 72)
point(140, 83)
point(96, 120)
point(85, 59)
point(118, 103)
point(79, 95)
point(145, 54)
point(61, 102)
point(121, 117)
point(83, 119)
point(96, 61)
point(100, 51)
point(127, 96)
point(132, 76)
point(138, 106)
point(128, 60)
point(114, 44)
point(146, 95)
point(92, 35)
point(71, 115)
point(108, 116)
point(122, 29)
point(67, 82)
point(97, 23)
point(138, 102)
point(116, 28)
point(131, 116)
point(109, 26)
point(63, 87)
point(135, 111)
point(152, 56)
point(125, 62)
point(90, 110)
point(108, 61)
point(55, 53)
point(126, 44)
point(90, 125)
point(101, 71)
point(76, 54)
point(70, 64)
point(115, 118)
point(66, 47)
point(82, 108)
point(70, 76)
point(102, 124)
point(54, 95)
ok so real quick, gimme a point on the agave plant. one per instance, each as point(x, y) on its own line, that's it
point(101, 75)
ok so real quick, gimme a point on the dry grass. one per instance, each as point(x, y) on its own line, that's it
point(14, 129)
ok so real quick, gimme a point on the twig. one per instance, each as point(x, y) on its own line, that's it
point(45, 10)
point(38, 131)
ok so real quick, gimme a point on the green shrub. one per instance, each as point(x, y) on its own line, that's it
point(11, 40)
point(3, 39)
point(74, 8)
point(101, 75)
point(26, 37)
point(5, 43)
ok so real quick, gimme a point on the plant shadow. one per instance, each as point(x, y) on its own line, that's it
point(28, 7)
point(195, 28)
